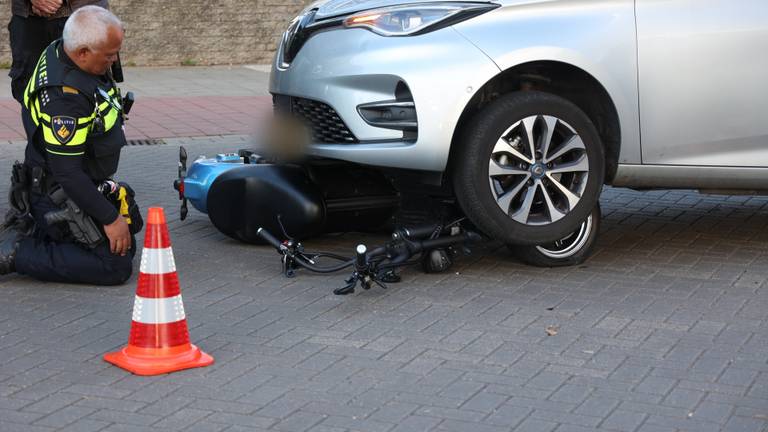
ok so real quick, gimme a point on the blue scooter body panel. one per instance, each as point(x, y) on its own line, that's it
point(201, 175)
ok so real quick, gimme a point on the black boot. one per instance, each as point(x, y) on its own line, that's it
point(9, 244)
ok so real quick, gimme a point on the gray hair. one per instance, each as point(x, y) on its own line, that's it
point(87, 27)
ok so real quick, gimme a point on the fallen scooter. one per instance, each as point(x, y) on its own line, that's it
point(248, 198)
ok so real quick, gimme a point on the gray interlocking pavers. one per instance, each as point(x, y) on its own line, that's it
point(484, 402)
point(536, 425)
point(569, 418)
point(713, 412)
point(65, 416)
point(393, 412)
point(623, 420)
point(597, 407)
point(85, 425)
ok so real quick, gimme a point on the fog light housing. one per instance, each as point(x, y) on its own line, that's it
point(393, 114)
point(398, 113)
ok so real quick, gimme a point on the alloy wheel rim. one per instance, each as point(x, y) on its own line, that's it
point(569, 245)
point(538, 170)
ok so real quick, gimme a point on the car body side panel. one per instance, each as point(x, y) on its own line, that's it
point(703, 82)
point(348, 67)
point(597, 36)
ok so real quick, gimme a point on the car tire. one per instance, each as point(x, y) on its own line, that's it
point(529, 168)
point(571, 250)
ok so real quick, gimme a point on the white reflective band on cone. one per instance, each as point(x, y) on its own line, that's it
point(157, 261)
point(158, 310)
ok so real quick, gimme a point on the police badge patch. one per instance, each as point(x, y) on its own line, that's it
point(63, 128)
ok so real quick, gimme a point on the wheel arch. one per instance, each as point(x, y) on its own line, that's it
point(562, 79)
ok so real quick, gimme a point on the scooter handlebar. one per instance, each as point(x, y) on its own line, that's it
point(442, 242)
point(269, 238)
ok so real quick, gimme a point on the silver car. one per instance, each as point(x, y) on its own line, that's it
point(523, 109)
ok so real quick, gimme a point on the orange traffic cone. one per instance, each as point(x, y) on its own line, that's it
point(159, 340)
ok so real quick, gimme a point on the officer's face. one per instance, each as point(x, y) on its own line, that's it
point(97, 61)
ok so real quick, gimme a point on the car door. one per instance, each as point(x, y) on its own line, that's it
point(703, 82)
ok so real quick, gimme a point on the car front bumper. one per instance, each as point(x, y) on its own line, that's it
point(346, 68)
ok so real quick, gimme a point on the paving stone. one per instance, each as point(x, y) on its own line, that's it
point(65, 416)
point(85, 425)
point(329, 408)
point(547, 381)
point(655, 385)
point(508, 415)
point(687, 424)
point(655, 428)
point(17, 417)
point(241, 420)
point(181, 419)
point(623, 420)
point(448, 413)
point(96, 391)
point(53, 403)
point(535, 425)
point(572, 428)
point(714, 412)
point(745, 424)
point(300, 421)
point(10, 427)
point(417, 424)
point(484, 402)
point(229, 407)
point(569, 418)
point(684, 398)
point(737, 377)
point(571, 394)
point(597, 407)
point(363, 425)
point(393, 412)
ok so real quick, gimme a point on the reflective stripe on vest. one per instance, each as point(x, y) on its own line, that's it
point(40, 81)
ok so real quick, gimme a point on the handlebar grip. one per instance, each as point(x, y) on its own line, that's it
point(361, 261)
point(415, 233)
point(269, 238)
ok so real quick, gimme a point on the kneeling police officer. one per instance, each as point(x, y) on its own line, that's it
point(70, 222)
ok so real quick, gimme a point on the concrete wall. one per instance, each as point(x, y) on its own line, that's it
point(201, 32)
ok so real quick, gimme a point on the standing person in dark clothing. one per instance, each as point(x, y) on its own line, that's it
point(73, 114)
point(34, 25)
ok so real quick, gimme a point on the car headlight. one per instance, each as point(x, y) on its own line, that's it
point(413, 19)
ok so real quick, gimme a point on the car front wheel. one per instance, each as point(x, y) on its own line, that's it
point(528, 169)
point(572, 249)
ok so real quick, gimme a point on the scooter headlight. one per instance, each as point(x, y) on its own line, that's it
point(413, 19)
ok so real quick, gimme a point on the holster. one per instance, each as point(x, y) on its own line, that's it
point(82, 227)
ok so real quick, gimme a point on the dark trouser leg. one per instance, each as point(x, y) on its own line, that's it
point(29, 37)
point(51, 256)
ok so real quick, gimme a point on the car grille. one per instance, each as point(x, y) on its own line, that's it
point(326, 125)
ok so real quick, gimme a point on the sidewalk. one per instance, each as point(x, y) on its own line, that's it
point(176, 102)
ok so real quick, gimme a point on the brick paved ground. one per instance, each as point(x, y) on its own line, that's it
point(664, 329)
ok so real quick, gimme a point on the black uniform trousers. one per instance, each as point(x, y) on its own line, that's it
point(29, 37)
point(50, 254)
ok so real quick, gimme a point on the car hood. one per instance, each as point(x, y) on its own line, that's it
point(330, 8)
